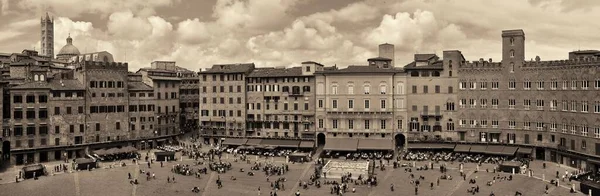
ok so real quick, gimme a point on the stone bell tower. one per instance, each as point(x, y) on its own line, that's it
point(47, 35)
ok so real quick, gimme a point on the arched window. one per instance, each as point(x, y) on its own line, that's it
point(286, 89)
point(512, 53)
point(512, 67)
point(350, 89)
point(450, 125)
point(334, 89)
point(435, 74)
point(383, 88)
point(42, 77)
point(450, 64)
point(306, 88)
point(512, 41)
point(400, 88)
point(36, 78)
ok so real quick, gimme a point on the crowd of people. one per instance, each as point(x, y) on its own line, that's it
point(119, 156)
point(188, 170)
point(452, 157)
point(360, 155)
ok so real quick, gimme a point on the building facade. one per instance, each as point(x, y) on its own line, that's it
point(552, 106)
point(162, 77)
point(189, 97)
point(223, 101)
point(67, 113)
point(365, 102)
point(280, 101)
point(431, 96)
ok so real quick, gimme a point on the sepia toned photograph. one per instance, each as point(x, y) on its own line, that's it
point(299, 97)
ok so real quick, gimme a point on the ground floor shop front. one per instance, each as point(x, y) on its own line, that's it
point(63, 153)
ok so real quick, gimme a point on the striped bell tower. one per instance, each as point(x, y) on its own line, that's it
point(47, 35)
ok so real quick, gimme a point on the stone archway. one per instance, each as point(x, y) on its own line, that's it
point(5, 150)
point(400, 140)
point(321, 139)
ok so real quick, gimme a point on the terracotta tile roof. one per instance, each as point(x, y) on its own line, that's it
point(362, 69)
point(163, 78)
point(276, 72)
point(231, 68)
point(424, 57)
point(435, 65)
point(138, 86)
point(66, 85)
point(147, 69)
point(33, 85)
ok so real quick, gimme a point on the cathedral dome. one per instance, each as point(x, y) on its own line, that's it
point(69, 49)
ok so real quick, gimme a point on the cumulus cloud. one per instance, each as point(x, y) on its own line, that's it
point(193, 31)
point(72, 8)
point(4, 7)
point(287, 32)
point(123, 25)
point(406, 32)
point(252, 15)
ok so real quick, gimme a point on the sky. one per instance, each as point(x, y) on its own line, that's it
point(199, 33)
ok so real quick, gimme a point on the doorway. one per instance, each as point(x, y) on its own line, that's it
point(540, 153)
point(57, 155)
point(400, 140)
point(5, 150)
point(321, 139)
point(43, 157)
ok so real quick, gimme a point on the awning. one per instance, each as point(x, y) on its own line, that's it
point(84, 161)
point(525, 150)
point(253, 142)
point(110, 151)
point(462, 148)
point(494, 149)
point(235, 141)
point(341, 144)
point(478, 149)
point(33, 167)
point(281, 143)
point(375, 144)
point(430, 146)
point(307, 144)
point(100, 152)
point(509, 151)
point(594, 161)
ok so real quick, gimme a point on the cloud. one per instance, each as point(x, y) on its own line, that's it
point(406, 32)
point(252, 15)
point(72, 8)
point(193, 31)
point(7, 35)
point(4, 7)
point(356, 12)
point(287, 32)
point(124, 25)
point(23, 24)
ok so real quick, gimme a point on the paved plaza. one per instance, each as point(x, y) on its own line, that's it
point(114, 181)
